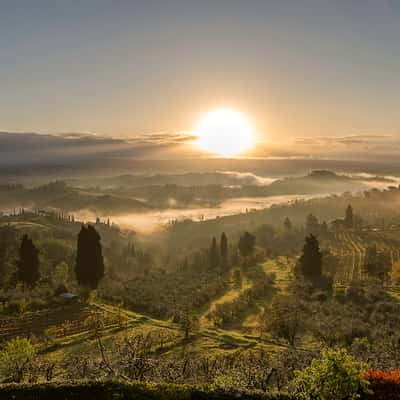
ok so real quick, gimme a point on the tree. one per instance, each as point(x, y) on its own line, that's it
point(287, 225)
point(312, 225)
point(8, 248)
point(246, 244)
point(395, 275)
point(56, 251)
point(377, 264)
point(285, 318)
point(89, 266)
point(188, 322)
point(330, 263)
point(349, 217)
point(310, 262)
point(323, 228)
point(16, 358)
point(28, 263)
point(337, 375)
point(60, 275)
point(213, 254)
point(224, 250)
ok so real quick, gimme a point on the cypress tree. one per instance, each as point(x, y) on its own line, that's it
point(224, 250)
point(89, 268)
point(287, 224)
point(349, 217)
point(28, 263)
point(246, 244)
point(213, 254)
point(310, 262)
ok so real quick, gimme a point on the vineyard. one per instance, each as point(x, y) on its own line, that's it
point(58, 323)
point(350, 247)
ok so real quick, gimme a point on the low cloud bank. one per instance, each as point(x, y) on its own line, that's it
point(248, 178)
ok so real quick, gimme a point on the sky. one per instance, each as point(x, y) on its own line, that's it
point(302, 71)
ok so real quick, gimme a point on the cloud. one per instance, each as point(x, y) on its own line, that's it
point(347, 140)
point(67, 148)
point(23, 148)
point(350, 147)
point(248, 178)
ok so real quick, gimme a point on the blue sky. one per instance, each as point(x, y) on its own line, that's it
point(296, 68)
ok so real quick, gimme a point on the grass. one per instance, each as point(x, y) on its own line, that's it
point(206, 340)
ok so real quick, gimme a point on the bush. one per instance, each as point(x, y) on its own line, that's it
point(17, 306)
point(383, 385)
point(37, 304)
point(336, 376)
point(113, 390)
point(15, 359)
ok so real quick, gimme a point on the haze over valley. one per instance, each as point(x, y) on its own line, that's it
point(200, 200)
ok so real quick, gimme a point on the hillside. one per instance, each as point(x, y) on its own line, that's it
point(170, 309)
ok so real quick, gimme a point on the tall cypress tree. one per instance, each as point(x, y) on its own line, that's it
point(287, 225)
point(349, 217)
point(224, 250)
point(28, 263)
point(213, 254)
point(310, 262)
point(246, 244)
point(89, 268)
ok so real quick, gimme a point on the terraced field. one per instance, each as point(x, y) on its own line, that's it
point(350, 247)
point(72, 333)
point(234, 291)
point(64, 321)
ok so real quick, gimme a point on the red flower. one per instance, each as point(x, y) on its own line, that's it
point(382, 377)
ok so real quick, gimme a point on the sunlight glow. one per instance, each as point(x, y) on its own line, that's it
point(225, 132)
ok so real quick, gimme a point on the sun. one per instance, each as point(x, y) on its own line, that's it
point(225, 132)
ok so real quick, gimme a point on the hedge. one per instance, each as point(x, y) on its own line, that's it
point(112, 390)
point(383, 385)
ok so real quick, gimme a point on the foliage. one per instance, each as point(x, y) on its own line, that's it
point(310, 262)
point(336, 376)
point(379, 376)
point(8, 249)
point(213, 254)
point(395, 274)
point(188, 322)
point(224, 250)
point(284, 319)
point(246, 244)
point(377, 264)
point(28, 264)
point(89, 267)
point(287, 225)
point(15, 359)
point(384, 385)
point(349, 219)
point(111, 390)
point(60, 274)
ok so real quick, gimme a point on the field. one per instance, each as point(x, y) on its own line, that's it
point(350, 247)
point(232, 318)
point(68, 329)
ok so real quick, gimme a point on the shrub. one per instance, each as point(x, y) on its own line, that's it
point(18, 306)
point(16, 359)
point(336, 376)
point(37, 304)
point(112, 390)
point(383, 385)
